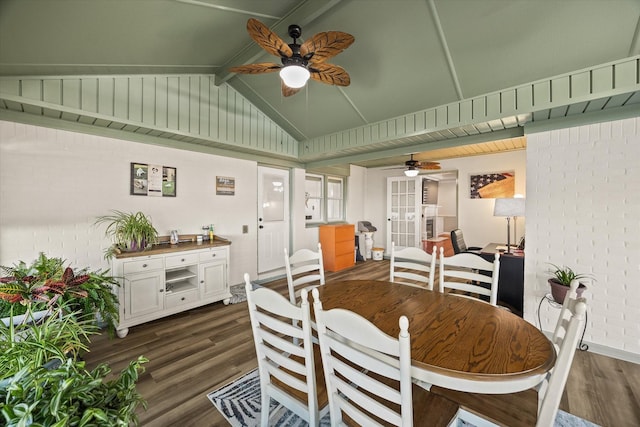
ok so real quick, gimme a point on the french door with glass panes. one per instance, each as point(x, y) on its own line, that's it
point(403, 212)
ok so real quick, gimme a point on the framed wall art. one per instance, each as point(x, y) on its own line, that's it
point(492, 185)
point(225, 186)
point(153, 180)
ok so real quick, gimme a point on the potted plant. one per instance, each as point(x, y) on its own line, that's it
point(42, 381)
point(130, 232)
point(561, 280)
point(38, 288)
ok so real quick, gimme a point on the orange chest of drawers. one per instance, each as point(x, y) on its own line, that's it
point(338, 246)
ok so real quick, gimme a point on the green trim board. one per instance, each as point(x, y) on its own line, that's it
point(190, 110)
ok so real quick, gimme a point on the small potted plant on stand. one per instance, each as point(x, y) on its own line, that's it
point(130, 232)
point(561, 280)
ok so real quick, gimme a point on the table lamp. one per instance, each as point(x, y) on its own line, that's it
point(509, 207)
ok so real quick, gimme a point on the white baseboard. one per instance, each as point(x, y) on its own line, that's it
point(614, 352)
point(607, 351)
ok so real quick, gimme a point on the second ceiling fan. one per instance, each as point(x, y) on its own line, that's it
point(413, 167)
point(299, 62)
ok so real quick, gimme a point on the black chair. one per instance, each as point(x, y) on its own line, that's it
point(457, 241)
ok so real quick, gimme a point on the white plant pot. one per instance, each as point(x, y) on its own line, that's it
point(20, 318)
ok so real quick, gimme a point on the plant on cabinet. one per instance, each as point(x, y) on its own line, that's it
point(130, 232)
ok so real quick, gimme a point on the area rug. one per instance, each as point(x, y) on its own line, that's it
point(238, 293)
point(239, 403)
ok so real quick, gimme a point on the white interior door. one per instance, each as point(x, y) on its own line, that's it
point(403, 212)
point(273, 217)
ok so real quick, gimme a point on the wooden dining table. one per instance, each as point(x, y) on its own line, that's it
point(456, 342)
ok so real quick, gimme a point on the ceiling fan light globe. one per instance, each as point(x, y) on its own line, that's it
point(411, 172)
point(294, 76)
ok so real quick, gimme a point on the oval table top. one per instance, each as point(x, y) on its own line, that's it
point(455, 340)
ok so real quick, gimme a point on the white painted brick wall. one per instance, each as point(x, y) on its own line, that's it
point(54, 183)
point(583, 211)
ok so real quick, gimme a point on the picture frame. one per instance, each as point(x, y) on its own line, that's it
point(492, 185)
point(225, 186)
point(153, 180)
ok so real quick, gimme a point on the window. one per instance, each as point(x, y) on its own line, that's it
point(335, 199)
point(313, 195)
point(324, 198)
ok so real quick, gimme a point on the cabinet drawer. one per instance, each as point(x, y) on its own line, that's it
point(142, 265)
point(212, 255)
point(345, 233)
point(345, 247)
point(180, 298)
point(180, 260)
point(344, 261)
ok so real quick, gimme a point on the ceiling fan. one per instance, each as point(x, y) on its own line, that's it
point(413, 167)
point(299, 61)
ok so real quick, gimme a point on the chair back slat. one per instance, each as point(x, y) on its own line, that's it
point(468, 272)
point(304, 266)
point(421, 266)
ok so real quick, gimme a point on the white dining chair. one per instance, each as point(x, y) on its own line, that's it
point(285, 352)
point(538, 406)
point(413, 264)
point(565, 314)
point(368, 374)
point(303, 267)
point(469, 272)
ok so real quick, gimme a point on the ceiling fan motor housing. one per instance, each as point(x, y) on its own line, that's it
point(295, 32)
point(295, 59)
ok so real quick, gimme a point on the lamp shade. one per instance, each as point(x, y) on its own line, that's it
point(411, 172)
point(294, 76)
point(509, 207)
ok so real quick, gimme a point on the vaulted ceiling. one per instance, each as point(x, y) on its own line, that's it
point(408, 55)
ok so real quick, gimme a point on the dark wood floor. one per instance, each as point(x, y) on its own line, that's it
point(196, 352)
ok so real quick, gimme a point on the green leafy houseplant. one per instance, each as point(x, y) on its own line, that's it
point(42, 383)
point(47, 283)
point(130, 232)
point(561, 280)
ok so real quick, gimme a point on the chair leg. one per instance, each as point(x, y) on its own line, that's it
point(264, 409)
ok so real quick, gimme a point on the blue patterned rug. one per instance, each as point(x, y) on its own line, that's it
point(238, 294)
point(239, 402)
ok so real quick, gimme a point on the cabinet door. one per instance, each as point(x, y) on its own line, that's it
point(144, 293)
point(213, 279)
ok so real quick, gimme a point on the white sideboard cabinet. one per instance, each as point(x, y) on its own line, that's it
point(165, 281)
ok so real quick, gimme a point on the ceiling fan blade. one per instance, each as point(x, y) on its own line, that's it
point(329, 74)
point(325, 45)
point(267, 39)
point(288, 91)
point(263, 67)
point(429, 165)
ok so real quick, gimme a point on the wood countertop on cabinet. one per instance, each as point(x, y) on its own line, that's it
point(166, 248)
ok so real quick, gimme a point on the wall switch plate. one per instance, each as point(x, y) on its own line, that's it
point(245, 229)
